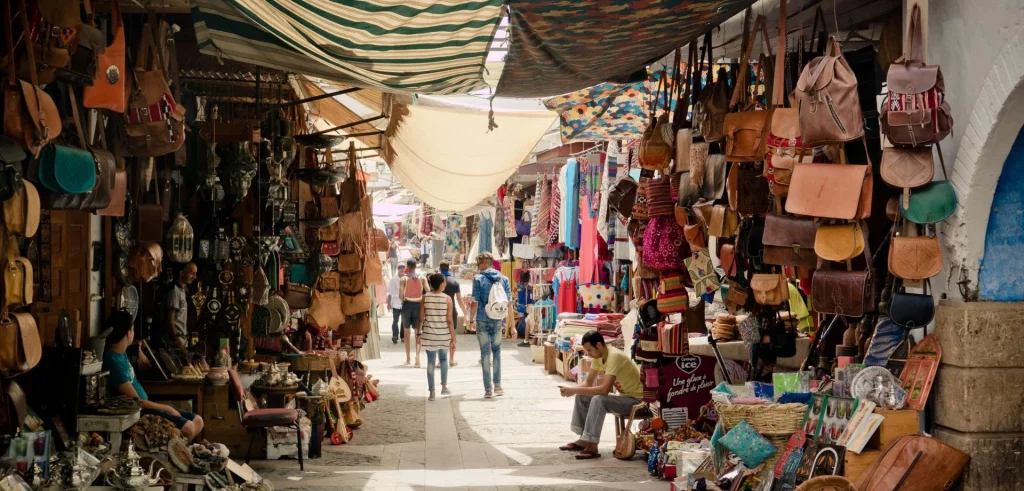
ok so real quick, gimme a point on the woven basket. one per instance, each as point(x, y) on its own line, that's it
point(771, 420)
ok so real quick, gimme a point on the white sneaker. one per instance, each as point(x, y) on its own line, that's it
point(498, 391)
point(488, 395)
point(446, 392)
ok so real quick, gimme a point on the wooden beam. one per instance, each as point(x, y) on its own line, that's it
point(349, 125)
point(314, 98)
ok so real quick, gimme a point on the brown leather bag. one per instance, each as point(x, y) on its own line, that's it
point(748, 189)
point(352, 190)
point(914, 463)
point(839, 242)
point(827, 100)
point(22, 211)
point(789, 241)
point(329, 282)
point(656, 144)
point(916, 112)
point(20, 344)
point(152, 133)
point(325, 309)
point(30, 115)
point(915, 258)
point(297, 295)
point(18, 286)
point(380, 240)
point(118, 195)
point(373, 269)
point(727, 256)
point(695, 236)
point(622, 196)
point(352, 283)
point(724, 222)
point(703, 210)
point(737, 297)
point(770, 288)
point(713, 102)
point(831, 191)
point(907, 168)
point(356, 325)
point(849, 293)
point(107, 90)
point(746, 132)
point(356, 304)
point(146, 262)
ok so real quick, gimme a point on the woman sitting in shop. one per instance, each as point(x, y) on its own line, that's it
point(122, 377)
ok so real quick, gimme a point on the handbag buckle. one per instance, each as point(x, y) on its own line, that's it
point(796, 248)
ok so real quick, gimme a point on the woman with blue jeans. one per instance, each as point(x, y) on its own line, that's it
point(437, 330)
point(488, 330)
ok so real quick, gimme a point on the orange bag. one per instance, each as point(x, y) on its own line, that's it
point(107, 91)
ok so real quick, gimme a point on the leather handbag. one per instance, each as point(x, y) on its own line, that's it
point(107, 90)
point(907, 168)
point(724, 222)
point(18, 276)
point(789, 241)
point(703, 211)
point(329, 282)
point(21, 348)
point(155, 122)
point(146, 262)
point(66, 170)
point(916, 113)
point(22, 211)
point(713, 102)
point(297, 295)
point(30, 115)
point(356, 304)
point(748, 190)
point(849, 293)
point(351, 261)
point(932, 203)
point(914, 463)
point(915, 258)
point(356, 325)
point(656, 144)
point(770, 288)
point(737, 297)
point(839, 242)
point(622, 196)
point(827, 101)
point(715, 177)
point(727, 258)
point(380, 240)
point(683, 215)
point(373, 269)
point(831, 191)
point(352, 283)
point(325, 309)
point(746, 131)
point(87, 44)
point(118, 195)
point(912, 310)
point(352, 190)
point(11, 158)
point(695, 236)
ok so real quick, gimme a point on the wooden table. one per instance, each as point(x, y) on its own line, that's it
point(115, 424)
point(178, 390)
point(276, 396)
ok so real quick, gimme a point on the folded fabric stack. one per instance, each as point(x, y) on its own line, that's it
point(724, 328)
point(609, 325)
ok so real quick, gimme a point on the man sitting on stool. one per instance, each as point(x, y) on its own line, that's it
point(593, 402)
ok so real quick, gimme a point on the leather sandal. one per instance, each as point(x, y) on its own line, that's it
point(572, 447)
point(587, 455)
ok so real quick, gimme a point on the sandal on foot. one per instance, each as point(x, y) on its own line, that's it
point(587, 455)
point(572, 447)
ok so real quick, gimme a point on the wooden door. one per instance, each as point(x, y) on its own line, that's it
point(69, 276)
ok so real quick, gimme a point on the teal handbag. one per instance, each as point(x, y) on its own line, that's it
point(298, 274)
point(67, 170)
point(932, 203)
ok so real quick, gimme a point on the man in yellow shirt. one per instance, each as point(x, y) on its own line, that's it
point(593, 402)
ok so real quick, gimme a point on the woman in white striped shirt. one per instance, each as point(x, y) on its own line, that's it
point(437, 331)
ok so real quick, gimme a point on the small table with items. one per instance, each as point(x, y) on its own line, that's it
point(115, 424)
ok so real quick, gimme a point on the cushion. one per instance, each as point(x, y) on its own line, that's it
point(748, 445)
point(262, 418)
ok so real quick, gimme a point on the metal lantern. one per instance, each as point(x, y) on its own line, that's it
point(221, 247)
point(179, 238)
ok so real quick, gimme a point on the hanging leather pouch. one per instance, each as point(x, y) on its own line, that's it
point(907, 168)
point(748, 189)
point(915, 258)
point(848, 293)
point(107, 88)
point(830, 191)
point(789, 241)
point(770, 289)
point(30, 115)
point(839, 242)
point(912, 310)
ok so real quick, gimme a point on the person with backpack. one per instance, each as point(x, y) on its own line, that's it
point(491, 310)
point(411, 289)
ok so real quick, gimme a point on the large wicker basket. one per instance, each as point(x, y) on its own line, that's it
point(774, 421)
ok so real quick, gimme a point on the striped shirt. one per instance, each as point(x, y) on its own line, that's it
point(435, 334)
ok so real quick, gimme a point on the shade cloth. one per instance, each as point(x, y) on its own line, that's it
point(449, 159)
point(559, 46)
point(429, 46)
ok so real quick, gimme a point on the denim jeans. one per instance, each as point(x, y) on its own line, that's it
point(488, 333)
point(396, 322)
point(588, 415)
point(434, 358)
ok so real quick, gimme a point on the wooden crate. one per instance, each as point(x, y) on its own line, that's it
point(896, 424)
point(550, 357)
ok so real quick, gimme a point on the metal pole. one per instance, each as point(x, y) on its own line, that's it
point(314, 98)
point(349, 125)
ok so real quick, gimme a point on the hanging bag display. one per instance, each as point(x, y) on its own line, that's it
point(770, 288)
point(746, 131)
point(915, 258)
point(790, 241)
point(656, 144)
point(155, 122)
point(827, 102)
point(915, 113)
point(784, 141)
point(325, 308)
point(713, 102)
point(848, 293)
point(681, 122)
point(831, 191)
point(748, 189)
point(74, 178)
point(839, 242)
point(912, 310)
point(664, 244)
point(932, 203)
point(907, 168)
point(107, 90)
point(30, 115)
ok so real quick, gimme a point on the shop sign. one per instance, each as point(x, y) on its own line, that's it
point(687, 383)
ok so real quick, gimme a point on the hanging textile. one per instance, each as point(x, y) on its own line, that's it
point(589, 255)
point(542, 219)
point(500, 241)
point(592, 183)
point(570, 230)
point(486, 234)
point(508, 206)
point(453, 236)
point(554, 224)
point(431, 46)
point(564, 283)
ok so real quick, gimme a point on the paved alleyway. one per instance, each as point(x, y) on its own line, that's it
point(465, 441)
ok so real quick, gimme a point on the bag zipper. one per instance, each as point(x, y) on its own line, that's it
point(906, 474)
point(835, 115)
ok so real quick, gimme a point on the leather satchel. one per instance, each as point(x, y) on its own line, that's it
point(350, 262)
point(355, 304)
point(30, 115)
point(329, 282)
point(932, 203)
point(912, 310)
point(152, 133)
point(356, 325)
point(297, 295)
point(20, 344)
point(849, 293)
point(914, 463)
point(695, 236)
point(712, 107)
point(22, 211)
point(727, 257)
point(107, 89)
point(146, 262)
point(724, 222)
point(373, 269)
point(622, 196)
point(737, 297)
point(831, 191)
point(748, 190)
point(656, 144)
point(746, 132)
point(915, 258)
point(839, 242)
point(916, 113)
point(827, 101)
point(18, 276)
point(770, 288)
point(789, 241)
point(380, 240)
point(325, 309)
point(907, 168)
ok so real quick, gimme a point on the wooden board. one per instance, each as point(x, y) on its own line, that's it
point(896, 424)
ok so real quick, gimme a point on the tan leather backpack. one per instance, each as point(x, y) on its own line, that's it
point(827, 101)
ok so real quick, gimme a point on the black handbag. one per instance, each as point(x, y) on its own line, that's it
point(11, 156)
point(912, 310)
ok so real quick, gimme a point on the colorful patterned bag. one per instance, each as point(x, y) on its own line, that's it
point(664, 245)
point(672, 296)
point(674, 340)
point(596, 296)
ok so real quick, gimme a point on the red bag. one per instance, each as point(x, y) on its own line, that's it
point(665, 246)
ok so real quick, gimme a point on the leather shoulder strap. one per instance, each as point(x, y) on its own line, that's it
point(741, 91)
point(914, 35)
point(779, 82)
point(28, 43)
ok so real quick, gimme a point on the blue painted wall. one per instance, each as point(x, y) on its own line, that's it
point(1002, 269)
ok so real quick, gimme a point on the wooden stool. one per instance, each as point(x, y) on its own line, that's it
point(623, 422)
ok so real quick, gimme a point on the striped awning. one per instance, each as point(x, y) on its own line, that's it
point(424, 46)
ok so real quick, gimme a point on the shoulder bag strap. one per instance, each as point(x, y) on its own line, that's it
point(82, 142)
point(741, 92)
point(914, 36)
point(28, 48)
point(779, 83)
point(12, 78)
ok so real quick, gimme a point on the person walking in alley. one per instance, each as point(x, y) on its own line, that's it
point(454, 291)
point(593, 402)
point(491, 310)
point(437, 331)
point(411, 288)
point(395, 303)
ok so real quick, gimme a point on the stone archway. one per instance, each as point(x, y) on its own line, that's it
point(985, 142)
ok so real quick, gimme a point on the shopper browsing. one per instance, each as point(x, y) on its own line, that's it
point(437, 331)
point(491, 310)
point(593, 402)
point(411, 288)
point(395, 302)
